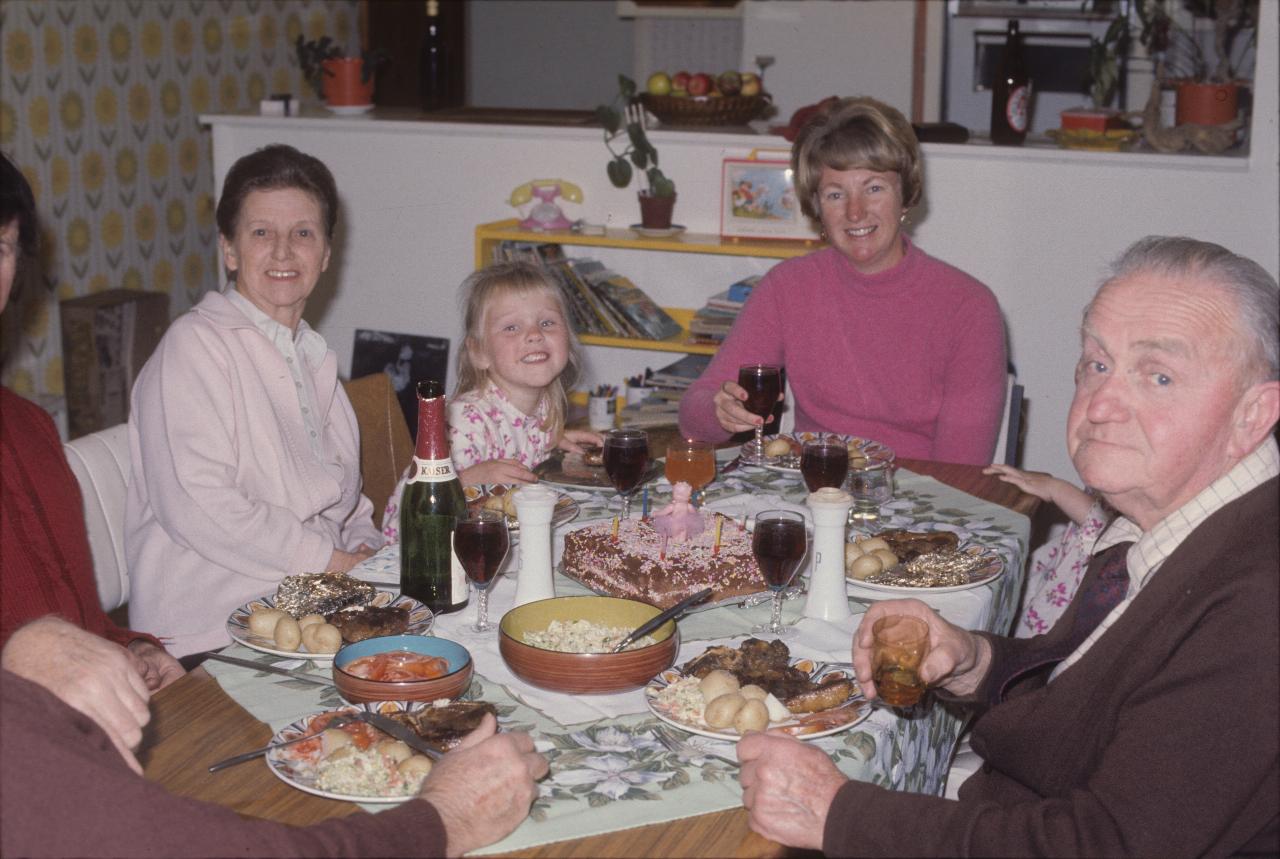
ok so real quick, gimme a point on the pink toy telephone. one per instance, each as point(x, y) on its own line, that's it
point(545, 214)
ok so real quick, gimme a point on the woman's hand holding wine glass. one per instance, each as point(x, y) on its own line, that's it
point(763, 386)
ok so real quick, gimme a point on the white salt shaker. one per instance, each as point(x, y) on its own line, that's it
point(828, 598)
point(535, 505)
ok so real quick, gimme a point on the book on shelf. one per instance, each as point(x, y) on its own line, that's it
point(680, 374)
point(739, 291)
point(636, 310)
point(722, 301)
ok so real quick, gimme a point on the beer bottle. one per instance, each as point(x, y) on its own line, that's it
point(1011, 93)
point(429, 568)
point(433, 65)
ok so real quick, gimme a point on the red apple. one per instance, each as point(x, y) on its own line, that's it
point(700, 84)
point(680, 80)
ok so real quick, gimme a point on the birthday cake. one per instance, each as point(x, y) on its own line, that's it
point(638, 565)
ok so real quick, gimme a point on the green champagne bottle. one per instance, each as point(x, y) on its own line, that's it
point(429, 568)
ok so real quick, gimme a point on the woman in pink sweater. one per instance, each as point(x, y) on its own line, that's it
point(879, 339)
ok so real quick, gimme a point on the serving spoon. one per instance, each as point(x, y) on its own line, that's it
point(659, 619)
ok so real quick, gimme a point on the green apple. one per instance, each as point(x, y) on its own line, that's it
point(659, 83)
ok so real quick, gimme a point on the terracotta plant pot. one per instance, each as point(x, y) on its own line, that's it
point(1207, 104)
point(342, 84)
point(655, 212)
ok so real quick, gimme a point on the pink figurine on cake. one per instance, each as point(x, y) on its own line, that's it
point(679, 520)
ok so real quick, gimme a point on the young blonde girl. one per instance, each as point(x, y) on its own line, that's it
point(1056, 568)
point(519, 357)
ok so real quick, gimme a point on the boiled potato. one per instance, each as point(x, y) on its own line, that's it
point(397, 750)
point(717, 683)
point(332, 739)
point(753, 716)
point(310, 619)
point(778, 711)
point(415, 765)
point(778, 447)
point(287, 634)
point(263, 621)
point(865, 566)
point(321, 638)
point(872, 544)
point(888, 560)
point(752, 691)
point(721, 712)
point(852, 551)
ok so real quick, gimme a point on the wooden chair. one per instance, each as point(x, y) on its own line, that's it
point(386, 447)
point(1009, 442)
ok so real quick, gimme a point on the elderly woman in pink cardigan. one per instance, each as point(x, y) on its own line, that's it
point(879, 339)
point(245, 452)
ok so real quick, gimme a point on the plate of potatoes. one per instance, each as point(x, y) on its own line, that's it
point(258, 624)
point(720, 707)
point(782, 451)
point(497, 497)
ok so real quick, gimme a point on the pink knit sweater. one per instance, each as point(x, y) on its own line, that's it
point(913, 357)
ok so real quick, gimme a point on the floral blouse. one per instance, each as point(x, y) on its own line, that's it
point(483, 425)
point(1056, 571)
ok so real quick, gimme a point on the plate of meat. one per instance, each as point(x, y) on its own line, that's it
point(384, 614)
point(803, 697)
point(782, 451)
point(357, 762)
point(497, 497)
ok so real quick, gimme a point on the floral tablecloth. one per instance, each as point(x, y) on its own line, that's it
point(608, 772)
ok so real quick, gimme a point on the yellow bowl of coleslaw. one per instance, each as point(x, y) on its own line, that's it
point(563, 644)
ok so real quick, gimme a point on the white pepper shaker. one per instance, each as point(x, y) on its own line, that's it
point(535, 505)
point(828, 597)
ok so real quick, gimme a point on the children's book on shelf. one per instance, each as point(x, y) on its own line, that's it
point(636, 310)
point(739, 291)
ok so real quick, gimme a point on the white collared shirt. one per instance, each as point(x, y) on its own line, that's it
point(1151, 548)
point(303, 345)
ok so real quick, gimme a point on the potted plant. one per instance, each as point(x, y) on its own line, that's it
point(1207, 90)
point(1104, 73)
point(338, 80)
point(658, 199)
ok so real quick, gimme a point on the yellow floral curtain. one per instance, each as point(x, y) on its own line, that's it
point(99, 102)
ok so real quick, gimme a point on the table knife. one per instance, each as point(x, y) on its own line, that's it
point(271, 669)
point(401, 732)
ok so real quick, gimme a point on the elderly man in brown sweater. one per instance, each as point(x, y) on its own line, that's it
point(1145, 722)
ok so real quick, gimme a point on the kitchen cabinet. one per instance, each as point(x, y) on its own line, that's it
point(489, 236)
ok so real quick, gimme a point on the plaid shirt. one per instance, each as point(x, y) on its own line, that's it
point(1151, 548)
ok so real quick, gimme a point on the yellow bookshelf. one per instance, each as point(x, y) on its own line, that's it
point(488, 236)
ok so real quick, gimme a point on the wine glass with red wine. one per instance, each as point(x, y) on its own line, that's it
point(482, 540)
point(824, 462)
point(626, 456)
point(779, 544)
point(763, 384)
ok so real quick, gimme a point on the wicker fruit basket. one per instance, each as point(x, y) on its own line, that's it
point(705, 110)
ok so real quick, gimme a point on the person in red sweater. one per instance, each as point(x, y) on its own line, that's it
point(66, 792)
point(879, 339)
point(45, 564)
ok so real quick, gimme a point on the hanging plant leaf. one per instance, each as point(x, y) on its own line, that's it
point(619, 172)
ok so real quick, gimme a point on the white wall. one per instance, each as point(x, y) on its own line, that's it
point(550, 54)
point(1036, 225)
point(831, 47)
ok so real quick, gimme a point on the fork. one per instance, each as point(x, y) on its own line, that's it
point(257, 753)
point(676, 744)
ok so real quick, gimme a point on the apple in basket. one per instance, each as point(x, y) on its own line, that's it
point(680, 83)
point(750, 83)
point(700, 84)
point(729, 83)
point(658, 84)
